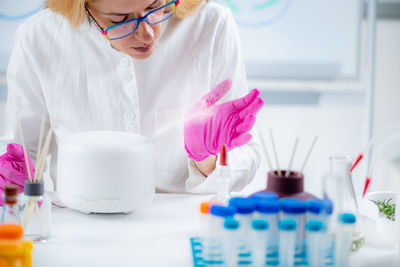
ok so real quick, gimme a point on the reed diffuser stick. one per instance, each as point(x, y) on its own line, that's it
point(28, 169)
point(266, 152)
point(309, 153)
point(292, 157)
point(45, 149)
point(39, 148)
point(275, 152)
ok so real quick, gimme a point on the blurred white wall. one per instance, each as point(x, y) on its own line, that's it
point(338, 119)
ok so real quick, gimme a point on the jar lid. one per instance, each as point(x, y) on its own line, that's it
point(34, 188)
point(11, 190)
point(243, 205)
point(293, 206)
point(315, 205)
point(222, 211)
point(268, 206)
point(264, 196)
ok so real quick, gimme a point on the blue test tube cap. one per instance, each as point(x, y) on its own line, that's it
point(231, 224)
point(315, 205)
point(243, 205)
point(314, 225)
point(293, 205)
point(347, 218)
point(222, 211)
point(259, 224)
point(261, 196)
point(287, 225)
point(267, 206)
point(328, 206)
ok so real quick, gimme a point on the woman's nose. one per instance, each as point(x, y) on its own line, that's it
point(144, 33)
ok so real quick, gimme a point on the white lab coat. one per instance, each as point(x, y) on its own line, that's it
point(75, 73)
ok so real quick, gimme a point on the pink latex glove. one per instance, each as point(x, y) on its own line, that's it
point(13, 168)
point(208, 126)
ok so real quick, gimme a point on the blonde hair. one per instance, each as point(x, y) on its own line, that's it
point(74, 10)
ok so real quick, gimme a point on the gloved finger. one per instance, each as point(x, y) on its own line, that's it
point(217, 93)
point(13, 176)
point(246, 124)
point(241, 103)
point(15, 151)
point(253, 108)
point(240, 140)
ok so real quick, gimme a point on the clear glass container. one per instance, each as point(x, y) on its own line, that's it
point(36, 212)
point(10, 213)
point(339, 188)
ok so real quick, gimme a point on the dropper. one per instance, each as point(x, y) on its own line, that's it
point(361, 155)
point(223, 179)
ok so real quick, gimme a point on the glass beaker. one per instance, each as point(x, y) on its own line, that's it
point(339, 188)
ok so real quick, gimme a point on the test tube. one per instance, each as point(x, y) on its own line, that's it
point(295, 209)
point(314, 241)
point(329, 237)
point(259, 237)
point(230, 244)
point(344, 239)
point(268, 210)
point(244, 210)
point(205, 217)
point(287, 244)
point(213, 251)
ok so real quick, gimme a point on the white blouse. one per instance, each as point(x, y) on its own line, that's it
point(75, 72)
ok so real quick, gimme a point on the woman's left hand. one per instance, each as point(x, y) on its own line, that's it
point(13, 168)
point(208, 126)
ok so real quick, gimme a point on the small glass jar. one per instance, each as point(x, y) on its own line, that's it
point(36, 212)
point(10, 212)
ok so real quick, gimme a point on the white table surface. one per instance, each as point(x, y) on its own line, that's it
point(157, 235)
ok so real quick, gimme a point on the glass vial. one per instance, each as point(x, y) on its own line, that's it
point(10, 212)
point(36, 215)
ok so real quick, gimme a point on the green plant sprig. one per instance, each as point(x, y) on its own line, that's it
point(386, 209)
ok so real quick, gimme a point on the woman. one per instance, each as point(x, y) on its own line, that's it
point(138, 66)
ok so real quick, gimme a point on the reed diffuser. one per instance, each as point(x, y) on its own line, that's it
point(35, 203)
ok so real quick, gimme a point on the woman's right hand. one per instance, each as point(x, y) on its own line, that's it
point(209, 125)
point(13, 168)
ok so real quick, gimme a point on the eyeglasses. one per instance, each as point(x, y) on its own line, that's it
point(126, 28)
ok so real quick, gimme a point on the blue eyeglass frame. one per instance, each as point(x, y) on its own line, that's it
point(139, 20)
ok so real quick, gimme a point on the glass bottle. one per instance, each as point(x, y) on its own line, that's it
point(223, 181)
point(10, 212)
point(339, 188)
point(36, 215)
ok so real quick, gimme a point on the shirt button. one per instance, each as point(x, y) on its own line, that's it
point(125, 62)
point(127, 77)
point(130, 115)
point(131, 128)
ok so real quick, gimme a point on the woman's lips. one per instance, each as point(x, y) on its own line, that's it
point(144, 49)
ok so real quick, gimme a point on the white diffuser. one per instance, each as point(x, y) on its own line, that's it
point(105, 172)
